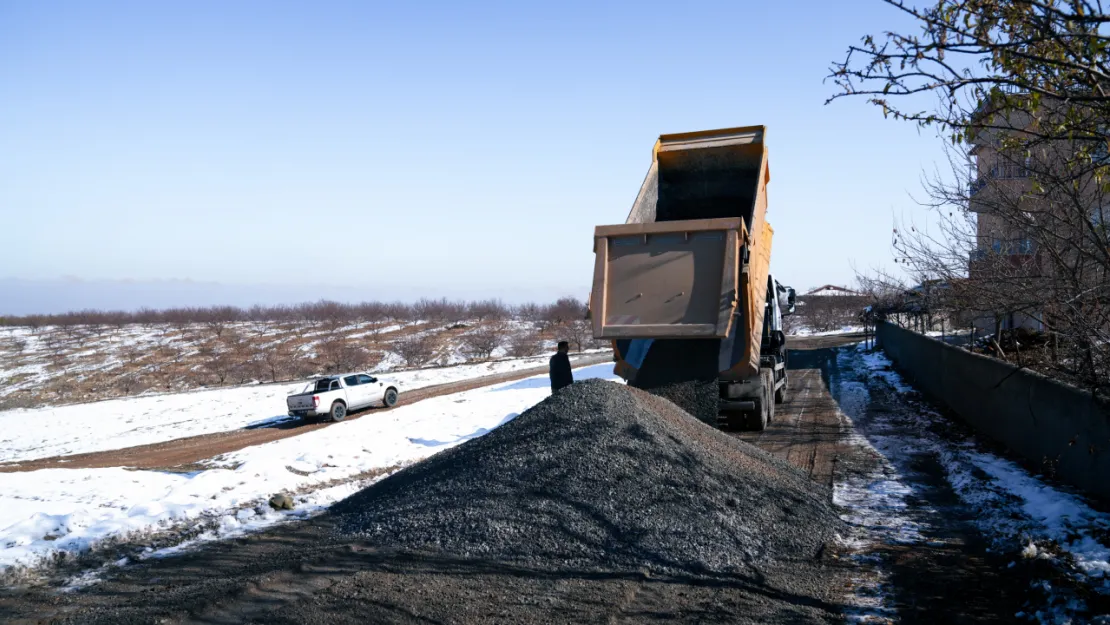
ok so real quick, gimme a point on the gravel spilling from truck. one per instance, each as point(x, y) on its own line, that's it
point(684, 372)
point(601, 476)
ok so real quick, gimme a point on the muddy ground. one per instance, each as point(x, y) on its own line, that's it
point(295, 573)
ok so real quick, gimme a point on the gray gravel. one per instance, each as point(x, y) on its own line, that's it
point(600, 476)
point(602, 504)
point(684, 371)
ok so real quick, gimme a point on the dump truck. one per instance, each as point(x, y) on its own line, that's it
point(683, 288)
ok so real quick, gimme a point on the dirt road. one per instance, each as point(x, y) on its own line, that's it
point(807, 430)
point(182, 453)
point(948, 575)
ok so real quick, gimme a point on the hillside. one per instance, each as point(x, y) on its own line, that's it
point(61, 364)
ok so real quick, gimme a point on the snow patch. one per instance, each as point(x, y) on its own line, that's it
point(54, 512)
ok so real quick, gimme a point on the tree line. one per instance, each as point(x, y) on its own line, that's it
point(323, 312)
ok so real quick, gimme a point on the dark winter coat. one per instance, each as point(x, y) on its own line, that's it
point(560, 372)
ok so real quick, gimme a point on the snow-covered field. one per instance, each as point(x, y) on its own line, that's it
point(1017, 511)
point(26, 434)
point(56, 511)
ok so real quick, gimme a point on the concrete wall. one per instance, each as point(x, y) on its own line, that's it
point(1056, 426)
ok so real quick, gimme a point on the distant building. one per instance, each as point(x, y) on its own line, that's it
point(1007, 256)
point(832, 290)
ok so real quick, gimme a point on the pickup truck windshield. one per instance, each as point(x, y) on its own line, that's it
point(322, 386)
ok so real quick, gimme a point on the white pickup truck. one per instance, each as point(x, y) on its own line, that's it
point(335, 396)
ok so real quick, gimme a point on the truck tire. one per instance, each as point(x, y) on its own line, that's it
point(338, 411)
point(389, 400)
point(757, 420)
point(764, 408)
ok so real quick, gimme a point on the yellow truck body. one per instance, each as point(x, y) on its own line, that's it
point(693, 258)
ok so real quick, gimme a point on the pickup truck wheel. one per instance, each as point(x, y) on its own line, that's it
point(390, 398)
point(338, 411)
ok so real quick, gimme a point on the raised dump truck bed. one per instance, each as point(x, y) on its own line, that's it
point(688, 273)
point(651, 281)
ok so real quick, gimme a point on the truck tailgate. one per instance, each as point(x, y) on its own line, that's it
point(302, 401)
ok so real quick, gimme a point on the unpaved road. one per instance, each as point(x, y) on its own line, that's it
point(807, 429)
point(183, 453)
point(947, 577)
point(293, 574)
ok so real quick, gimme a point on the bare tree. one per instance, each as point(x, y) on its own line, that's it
point(259, 319)
point(565, 310)
point(399, 312)
point(276, 360)
point(480, 343)
point(492, 309)
point(18, 346)
point(338, 354)
point(218, 319)
point(1024, 84)
point(579, 333)
point(530, 313)
point(416, 350)
point(130, 383)
point(524, 344)
point(57, 349)
point(218, 362)
point(332, 314)
point(1037, 251)
point(990, 58)
point(131, 355)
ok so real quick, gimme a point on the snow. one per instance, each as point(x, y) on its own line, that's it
point(63, 511)
point(807, 331)
point(1015, 509)
point(881, 367)
point(873, 502)
point(27, 434)
point(1056, 515)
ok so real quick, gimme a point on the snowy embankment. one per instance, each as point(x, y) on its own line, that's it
point(807, 331)
point(27, 434)
point(52, 512)
point(1017, 511)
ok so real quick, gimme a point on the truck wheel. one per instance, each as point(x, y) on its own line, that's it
point(338, 411)
point(757, 420)
point(764, 408)
point(390, 398)
point(780, 394)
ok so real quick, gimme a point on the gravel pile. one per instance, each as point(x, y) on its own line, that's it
point(684, 371)
point(600, 476)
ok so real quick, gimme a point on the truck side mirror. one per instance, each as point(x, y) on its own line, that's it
point(791, 296)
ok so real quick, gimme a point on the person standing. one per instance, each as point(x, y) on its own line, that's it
point(561, 375)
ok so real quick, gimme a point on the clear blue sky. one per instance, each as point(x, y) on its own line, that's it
point(465, 147)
